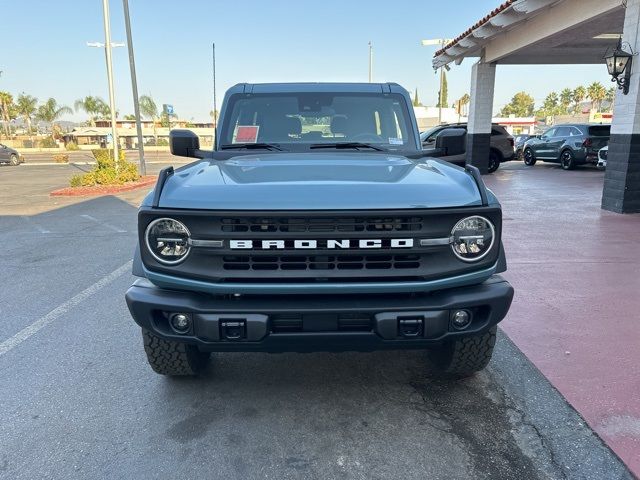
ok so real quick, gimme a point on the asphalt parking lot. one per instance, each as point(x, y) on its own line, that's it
point(79, 401)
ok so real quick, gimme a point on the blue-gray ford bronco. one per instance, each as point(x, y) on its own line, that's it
point(318, 223)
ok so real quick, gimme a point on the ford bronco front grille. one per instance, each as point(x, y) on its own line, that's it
point(307, 247)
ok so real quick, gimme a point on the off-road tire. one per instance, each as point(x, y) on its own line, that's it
point(172, 358)
point(494, 161)
point(464, 357)
point(14, 160)
point(529, 158)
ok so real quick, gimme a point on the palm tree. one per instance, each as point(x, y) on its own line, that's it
point(611, 98)
point(596, 92)
point(464, 101)
point(149, 109)
point(50, 111)
point(579, 95)
point(6, 110)
point(26, 107)
point(92, 106)
point(566, 97)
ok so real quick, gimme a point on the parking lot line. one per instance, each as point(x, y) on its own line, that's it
point(60, 310)
point(104, 224)
point(35, 225)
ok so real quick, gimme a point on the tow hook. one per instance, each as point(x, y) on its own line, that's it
point(410, 327)
point(233, 330)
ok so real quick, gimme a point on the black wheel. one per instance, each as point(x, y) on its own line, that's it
point(567, 161)
point(464, 357)
point(172, 358)
point(14, 160)
point(494, 161)
point(529, 157)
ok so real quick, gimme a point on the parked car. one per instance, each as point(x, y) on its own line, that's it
point(569, 145)
point(10, 156)
point(501, 144)
point(520, 140)
point(603, 153)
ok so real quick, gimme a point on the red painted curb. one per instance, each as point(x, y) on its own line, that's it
point(97, 190)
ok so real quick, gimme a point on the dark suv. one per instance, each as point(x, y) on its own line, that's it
point(501, 144)
point(569, 145)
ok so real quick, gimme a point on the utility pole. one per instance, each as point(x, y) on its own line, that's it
point(134, 87)
point(370, 62)
point(112, 100)
point(441, 42)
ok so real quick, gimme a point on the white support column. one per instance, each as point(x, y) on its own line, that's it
point(483, 77)
point(621, 192)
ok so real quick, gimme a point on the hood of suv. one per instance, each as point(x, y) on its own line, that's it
point(319, 181)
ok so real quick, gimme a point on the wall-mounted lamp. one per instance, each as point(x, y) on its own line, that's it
point(619, 65)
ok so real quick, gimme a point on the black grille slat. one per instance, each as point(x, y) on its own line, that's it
point(321, 262)
point(321, 224)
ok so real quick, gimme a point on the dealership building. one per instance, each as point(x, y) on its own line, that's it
point(530, 32)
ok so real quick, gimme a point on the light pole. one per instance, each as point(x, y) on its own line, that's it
point(108, 45)
point(370, 62)
point(440, 42)
point(134, 88)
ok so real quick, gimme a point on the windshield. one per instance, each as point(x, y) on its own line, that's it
point(300, 121)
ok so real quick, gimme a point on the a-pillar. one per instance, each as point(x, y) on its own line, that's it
point(483, 77)
point(621, 192)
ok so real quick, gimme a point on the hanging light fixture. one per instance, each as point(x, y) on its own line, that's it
point(619, 65)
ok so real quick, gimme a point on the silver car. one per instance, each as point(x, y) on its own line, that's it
point(10, 156)
point(502, 144)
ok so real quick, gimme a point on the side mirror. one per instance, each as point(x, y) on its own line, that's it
point(184, 143)
point(452, 141)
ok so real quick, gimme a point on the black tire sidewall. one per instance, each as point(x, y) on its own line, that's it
point(532, 159)
point(14, 160)
point(571, 162)
point(495, 164)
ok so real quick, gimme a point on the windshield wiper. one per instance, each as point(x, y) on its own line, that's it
point(251, 146)
point(355, 145)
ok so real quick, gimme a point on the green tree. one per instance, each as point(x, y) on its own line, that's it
point(596, 92)
point(611, 98)
point(416, 100)
point(579, 96)
point(92, 106)
point(26, 108)
point(444, 93)
point(50, 111)
point(149, 109)
point(522, 105)
point(130, 117)
point(566, 98)
point(551, 106)
point(7, 110)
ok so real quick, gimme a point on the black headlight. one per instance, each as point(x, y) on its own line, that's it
point(167, 240)
point(472, 238)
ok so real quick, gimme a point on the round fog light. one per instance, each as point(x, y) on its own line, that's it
point(461, 319)
point(180, 322)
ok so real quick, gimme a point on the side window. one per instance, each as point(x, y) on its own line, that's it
point(550, 133)
point(562, 132)
point(495, 132)
point(575, 132)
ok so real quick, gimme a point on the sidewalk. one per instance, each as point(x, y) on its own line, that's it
point(576, 272)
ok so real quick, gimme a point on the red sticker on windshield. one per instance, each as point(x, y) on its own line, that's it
point(247, 134)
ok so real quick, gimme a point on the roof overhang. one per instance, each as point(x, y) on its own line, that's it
point(521, 32)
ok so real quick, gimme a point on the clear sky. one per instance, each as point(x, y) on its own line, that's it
point(43, 50)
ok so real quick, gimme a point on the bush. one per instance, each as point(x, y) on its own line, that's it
point(105, 172)
point(61, 158)
point(48, 142)
point(72, 147)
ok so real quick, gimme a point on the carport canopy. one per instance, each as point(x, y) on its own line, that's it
point(529, 32)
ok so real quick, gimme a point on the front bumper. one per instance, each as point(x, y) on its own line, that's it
point(319, 322)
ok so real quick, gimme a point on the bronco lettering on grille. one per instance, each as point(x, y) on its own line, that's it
point(328, 244)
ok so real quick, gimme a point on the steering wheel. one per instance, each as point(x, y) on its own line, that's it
point(367, 138)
